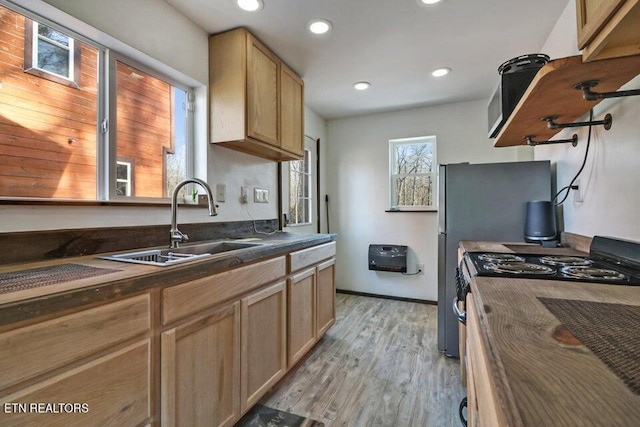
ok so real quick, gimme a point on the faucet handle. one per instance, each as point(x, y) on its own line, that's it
point(177, 236)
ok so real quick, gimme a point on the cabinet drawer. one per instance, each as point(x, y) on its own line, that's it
point(113, 390)
point(191, 297)
point(310, 256)
point(54, 343)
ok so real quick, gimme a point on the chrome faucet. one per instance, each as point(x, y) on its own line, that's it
point(177, 236)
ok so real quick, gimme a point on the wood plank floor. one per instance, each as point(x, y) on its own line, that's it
point(378, 365)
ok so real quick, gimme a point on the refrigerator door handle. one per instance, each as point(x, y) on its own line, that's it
point(461, 315)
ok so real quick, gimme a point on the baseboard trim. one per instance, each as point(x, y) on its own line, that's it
point(365, 294)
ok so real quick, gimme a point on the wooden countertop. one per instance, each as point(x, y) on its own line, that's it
point(543, 377)
point(134, 278)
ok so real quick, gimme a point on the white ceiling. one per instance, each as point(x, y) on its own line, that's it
point(393, 44)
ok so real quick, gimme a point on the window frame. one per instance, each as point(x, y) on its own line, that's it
point(420, 140)
point(106, 158)
point(307, 194)
point(30, 53)
point(109, 168)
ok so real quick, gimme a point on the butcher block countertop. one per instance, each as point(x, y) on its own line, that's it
point(129, 278)
point(544, 375)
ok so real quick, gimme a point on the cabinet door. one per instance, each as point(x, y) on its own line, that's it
point(326, 305)
point(302, 314)
point(201, 370)
point(111, 390)
point(592, 15)
point(263, 68)
point(263, 353)
point(291, 111)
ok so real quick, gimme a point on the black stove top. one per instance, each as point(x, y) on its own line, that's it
point(608, 262)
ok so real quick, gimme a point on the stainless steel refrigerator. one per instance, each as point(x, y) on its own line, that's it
point(480, 202)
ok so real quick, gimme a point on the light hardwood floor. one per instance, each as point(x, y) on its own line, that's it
point(378, 365)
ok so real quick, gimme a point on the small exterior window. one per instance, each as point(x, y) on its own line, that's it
point(412, 165)
point(124, 178)
point(300, 190)
point(51, 54)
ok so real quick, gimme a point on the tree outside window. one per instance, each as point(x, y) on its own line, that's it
point(412, 173)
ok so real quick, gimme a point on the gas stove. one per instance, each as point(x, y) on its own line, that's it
point(610, 261)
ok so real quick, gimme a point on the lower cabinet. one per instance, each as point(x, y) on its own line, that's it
point(302, 314)
point(112, 390)
point(90, 367)
point(483, 408)
point(326, 296)
point(263, 354)
point(200, 370)
point(199, 353)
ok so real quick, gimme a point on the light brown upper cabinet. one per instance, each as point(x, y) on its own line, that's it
point(291, 111)
point(608, 28)
point(256, 100)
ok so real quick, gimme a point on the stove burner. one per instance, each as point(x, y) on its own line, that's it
point(581, 272)
point(501, 258)
point(565, 260)
point(519, 268)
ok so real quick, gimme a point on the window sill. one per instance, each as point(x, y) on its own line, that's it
point(63, 202)
point(411, 210)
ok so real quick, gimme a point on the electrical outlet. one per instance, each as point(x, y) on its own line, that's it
point(244, 195)
point(260, 195)
point(420, 268)
point(577, 195)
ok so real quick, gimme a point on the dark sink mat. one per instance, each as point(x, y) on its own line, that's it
point(263, 416)
point(610, 331)
point(43, 276)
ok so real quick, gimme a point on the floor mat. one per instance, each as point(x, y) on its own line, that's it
point(43, 276)
point(610, 331)
point(263, 416)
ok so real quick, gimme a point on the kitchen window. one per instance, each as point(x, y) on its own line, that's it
point(412, 177)
point(71, 110)
point(300, 190)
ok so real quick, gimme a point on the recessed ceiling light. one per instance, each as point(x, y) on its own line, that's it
point(362, 85)
point(250, 5)
point(319, 26)
point(440, 72)
point(428, 1)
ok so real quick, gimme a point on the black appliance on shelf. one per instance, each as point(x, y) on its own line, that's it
point(515, 76)
point(610, 261)
point(483, 202)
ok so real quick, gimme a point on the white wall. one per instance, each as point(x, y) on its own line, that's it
point(610, 180)
point(168, 40)
point(358, 188)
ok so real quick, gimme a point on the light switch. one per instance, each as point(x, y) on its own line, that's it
point(221, 192)
point(244, 195)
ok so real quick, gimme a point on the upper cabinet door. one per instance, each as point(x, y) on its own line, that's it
point(263, 69)
point(608, 28)
point(592, 15)
point(291, 111)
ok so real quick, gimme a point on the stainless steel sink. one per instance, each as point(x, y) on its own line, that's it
point(166, 257)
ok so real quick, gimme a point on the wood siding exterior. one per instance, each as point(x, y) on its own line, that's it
point(48, 130)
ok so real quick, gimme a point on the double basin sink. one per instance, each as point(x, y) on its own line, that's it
point(173, 256)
